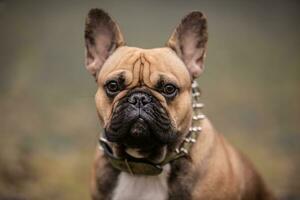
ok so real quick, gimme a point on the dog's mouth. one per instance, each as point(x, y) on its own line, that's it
point(139, 141)
point(140, 131)
point(139, 135)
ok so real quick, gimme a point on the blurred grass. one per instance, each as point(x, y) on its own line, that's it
point(48, 120)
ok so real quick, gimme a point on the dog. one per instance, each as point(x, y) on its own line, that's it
point(156, 143)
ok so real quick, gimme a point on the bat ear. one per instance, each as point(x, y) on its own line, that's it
point(102, 37)
point(189, 41)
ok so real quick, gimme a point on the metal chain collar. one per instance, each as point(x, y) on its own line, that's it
point(195, 128)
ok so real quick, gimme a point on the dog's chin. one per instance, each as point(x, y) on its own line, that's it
point(155, 156)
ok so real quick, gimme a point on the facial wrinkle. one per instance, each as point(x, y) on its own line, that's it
point(141, 69)
point(145, 74)
point(136, 68)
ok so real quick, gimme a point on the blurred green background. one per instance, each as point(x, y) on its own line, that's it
point(48, 121)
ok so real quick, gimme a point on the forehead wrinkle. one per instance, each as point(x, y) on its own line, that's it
point(136, 68)
point(145, 73)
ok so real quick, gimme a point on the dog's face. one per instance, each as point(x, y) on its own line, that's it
point(144, 96)
point(143, 102)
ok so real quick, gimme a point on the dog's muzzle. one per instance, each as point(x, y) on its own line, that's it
point(140, 121)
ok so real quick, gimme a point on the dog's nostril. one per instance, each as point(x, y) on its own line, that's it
point(132, 99)
point(139, 99)
point(145, 100)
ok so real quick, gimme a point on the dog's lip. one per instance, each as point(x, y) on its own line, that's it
point(140, 119)
point(150, 155)
point(136, 153)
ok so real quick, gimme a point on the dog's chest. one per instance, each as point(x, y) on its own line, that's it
point(142, 187)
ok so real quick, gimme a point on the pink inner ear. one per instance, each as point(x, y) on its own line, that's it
point(103, 43)
point(192, 56)
point(97, 54)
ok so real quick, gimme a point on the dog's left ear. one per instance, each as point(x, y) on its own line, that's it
point(102, 37)
point(189, 41)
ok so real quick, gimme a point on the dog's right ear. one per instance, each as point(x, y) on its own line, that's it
point(102, 37)
point(189, 41)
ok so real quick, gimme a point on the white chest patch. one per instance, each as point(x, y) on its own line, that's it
point(131, 187)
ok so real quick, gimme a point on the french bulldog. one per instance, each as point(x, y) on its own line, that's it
point(155, 145)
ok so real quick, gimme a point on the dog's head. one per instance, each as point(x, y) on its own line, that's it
point(144, 95)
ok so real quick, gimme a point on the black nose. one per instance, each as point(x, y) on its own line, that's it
point(139, 99)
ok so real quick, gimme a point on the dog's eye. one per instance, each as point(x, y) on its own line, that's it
point(112, 87)
point(170, 90)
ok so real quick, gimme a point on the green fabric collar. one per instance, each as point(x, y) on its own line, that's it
point(144, 167)
point(136, 166)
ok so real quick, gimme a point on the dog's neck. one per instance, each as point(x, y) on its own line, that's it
point(142, 166)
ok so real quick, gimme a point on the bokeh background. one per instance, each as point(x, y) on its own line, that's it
point(48, 122)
